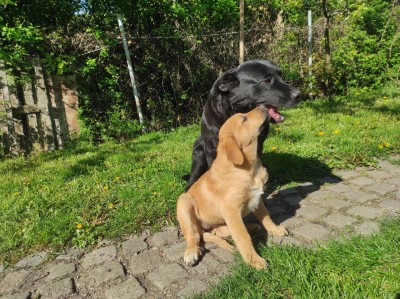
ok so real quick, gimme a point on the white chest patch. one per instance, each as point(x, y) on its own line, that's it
point(255, 198)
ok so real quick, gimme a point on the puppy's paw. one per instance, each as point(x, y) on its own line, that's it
point(192, 255)
point(258, 262)
point(278, 231)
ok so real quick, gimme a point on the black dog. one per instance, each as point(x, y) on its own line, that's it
point(253, 83)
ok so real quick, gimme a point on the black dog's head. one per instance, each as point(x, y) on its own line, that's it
point(254, 83)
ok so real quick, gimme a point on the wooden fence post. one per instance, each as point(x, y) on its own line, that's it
point(7, 124)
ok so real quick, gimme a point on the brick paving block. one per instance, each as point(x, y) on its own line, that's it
point(207, 264)
point(368, 228)
point(71, 255)
point(340, 188)
point(311, 232)
point(175, 252)
point(13, 281)
point(293, 200)
point(379, 175)
point(334, 203)
point(223, 255)
point(322, 194)
point(144, 261)
point(289, 222)
point(288, 191)
point(381, 188)
point(359, 196)
point(387, 166)
point(276, 210)
point(129, 289)
point(192, 288)
point(393, 181)
point(60, 270)
point(133, 246)
point(18, 295)
point(365, 212)
point(347, 174)
point(58, 289)
point(32, 260)
point(99, 256)
point(108, 271)
point(362, 181)
point(164, 238)
point(307, 187)
point(339, 220)
point(329, 180)
point(166, 275)
point(311, 212)
point(391, 204)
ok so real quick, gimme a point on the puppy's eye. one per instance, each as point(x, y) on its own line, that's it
point(267, 80)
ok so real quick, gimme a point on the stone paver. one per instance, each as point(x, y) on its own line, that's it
point(391, 204)
point(311, 232)
point(359, 196)
point(129, 289)
point(133, 246)
point(145, 261)
point(362, 181)
point(365, 212)
point(381, 189)
point(312, 212)
point(32, 260)
point(151, 265)
point(339, 220)
point(166, 275)
point(99, 256)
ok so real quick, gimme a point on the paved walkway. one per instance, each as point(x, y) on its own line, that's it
point(151, 266)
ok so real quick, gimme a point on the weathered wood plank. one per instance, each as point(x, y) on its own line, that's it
point(7, 125)
point(26, 109)
point(44, 104)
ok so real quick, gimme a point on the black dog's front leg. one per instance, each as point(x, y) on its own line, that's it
point(199, 163)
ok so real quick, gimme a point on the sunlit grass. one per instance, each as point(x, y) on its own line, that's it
point(78, 196)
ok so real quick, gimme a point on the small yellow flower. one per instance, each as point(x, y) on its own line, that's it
point(116, 179)
point(111, 206)
point(380, 146)
point(386, 144)
point(79, 226)
point(336, 132)
point(105, 188)
point(321, 133)
point(274, 148)
point(155, 193)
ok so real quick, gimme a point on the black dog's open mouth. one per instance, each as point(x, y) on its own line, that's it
point(274, 114)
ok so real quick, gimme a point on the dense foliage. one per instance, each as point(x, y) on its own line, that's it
point(178, 48)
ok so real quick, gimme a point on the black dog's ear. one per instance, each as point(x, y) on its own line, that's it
point(228, 81)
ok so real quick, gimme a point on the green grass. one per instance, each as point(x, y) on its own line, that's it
point(359, 267)
point(85, 193)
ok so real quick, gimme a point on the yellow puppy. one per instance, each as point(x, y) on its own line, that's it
point(214, 206)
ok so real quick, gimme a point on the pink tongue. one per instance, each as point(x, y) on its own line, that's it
point(273, 113)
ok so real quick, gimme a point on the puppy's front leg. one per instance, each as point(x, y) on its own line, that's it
point(242, 238)
point(262, 215)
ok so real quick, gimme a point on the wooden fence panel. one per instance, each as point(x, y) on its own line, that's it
point(38, 115)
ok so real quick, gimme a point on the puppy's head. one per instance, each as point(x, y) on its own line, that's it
point(254, 83)
point(238, 135)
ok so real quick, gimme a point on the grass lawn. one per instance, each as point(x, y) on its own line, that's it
point(85, 193)
point(360, 267)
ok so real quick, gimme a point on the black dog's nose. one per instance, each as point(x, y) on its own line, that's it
point(297, 95)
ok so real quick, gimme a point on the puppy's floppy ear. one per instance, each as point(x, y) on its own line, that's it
point(232, 150)
point(228, 81)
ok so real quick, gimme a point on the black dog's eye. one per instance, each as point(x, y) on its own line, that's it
point(267, 80)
